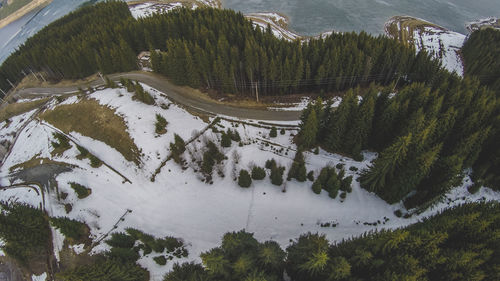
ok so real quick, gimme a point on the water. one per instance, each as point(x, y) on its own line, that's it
point(16, 33)
point(307, 17)
point(315, 16)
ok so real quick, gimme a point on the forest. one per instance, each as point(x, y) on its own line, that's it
point(213, 49)
point(481, 52)
point(426, 137)
point(457, 244)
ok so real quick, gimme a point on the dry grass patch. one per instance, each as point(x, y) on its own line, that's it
point(31, 81)
point(36, 161)
point(408, 26)
point(15, 109)
point(91, 119)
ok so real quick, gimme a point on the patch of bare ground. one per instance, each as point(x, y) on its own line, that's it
point(96, 121)
point(15, 109)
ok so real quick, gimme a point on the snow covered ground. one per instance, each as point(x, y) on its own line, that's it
point(442, 44)
point(148, 8)
point(179, 204)
point(278, 23)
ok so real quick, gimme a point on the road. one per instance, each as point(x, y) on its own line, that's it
point(177, 94)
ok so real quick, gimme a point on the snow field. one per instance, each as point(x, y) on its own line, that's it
point(442, 44)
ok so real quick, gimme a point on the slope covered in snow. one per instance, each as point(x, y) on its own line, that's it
point(441, 43)
point(178, 203)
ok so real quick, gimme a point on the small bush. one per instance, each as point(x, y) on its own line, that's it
point(83, 152)
point(277, 175)
point(171, 243)
point(345, 185)
point(273, 133)
point(80, 190)
point(244, 180)
point(282, 131)
point(316, 187)
point(316, 151)
point(235, 136)
point(160, 125)
point(352, 168)
point(340, 166)
point(258, 173)
point(310, 176)
point(61, 145)
point(474, 188)
point(160, 260)
point(398, 213)
point(68, 208)
point(343, 195)
point(94, 161)
point(225, 140)
point(124, 255)
point(141, 95)
point(70, 228)
point(121, 240)
point(270, 164)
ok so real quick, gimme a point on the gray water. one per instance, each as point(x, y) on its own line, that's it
point(306, 17)
point(310, 17)
point(16, 33)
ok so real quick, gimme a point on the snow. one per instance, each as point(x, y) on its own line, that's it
point(57, 241)
point(22, 195)
point(442, 44)
point(178, 204)
point(8, 130)
point(2, 243)
point(41, 277)
point(149, 8)
point(277, 22)
point(78, 249)
point(291, 106)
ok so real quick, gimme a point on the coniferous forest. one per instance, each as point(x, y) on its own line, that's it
point(213, 49)
point(481, 52)
point(426, 137)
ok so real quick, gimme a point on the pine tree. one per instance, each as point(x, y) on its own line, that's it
point(244, 179)
point(309, 130)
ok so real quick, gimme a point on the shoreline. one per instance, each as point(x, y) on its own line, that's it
point(36, 4)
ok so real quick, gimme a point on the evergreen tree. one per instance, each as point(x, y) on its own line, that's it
point(244, 179)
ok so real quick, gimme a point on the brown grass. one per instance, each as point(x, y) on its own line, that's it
point(91, 119)
point(35, 161)
point(405, 35)
point(15, 109)
point(31, 82)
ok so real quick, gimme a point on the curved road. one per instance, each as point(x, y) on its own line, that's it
point(177, 94)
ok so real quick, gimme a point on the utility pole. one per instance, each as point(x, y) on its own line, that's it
point(43, 78)
point(36, 77)
point(11, 83)
point(397, 81)
point(103, 80)
point(256, 86)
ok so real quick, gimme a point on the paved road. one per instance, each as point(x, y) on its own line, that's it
point(175, 93)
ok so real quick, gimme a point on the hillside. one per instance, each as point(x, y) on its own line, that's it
point(178, 202)
point(442, 44)
point(112, 173)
